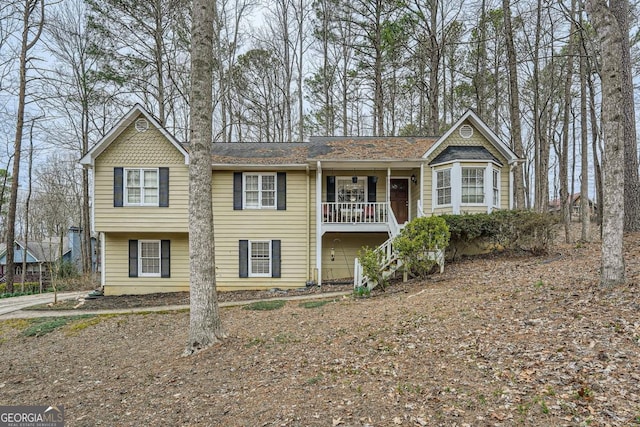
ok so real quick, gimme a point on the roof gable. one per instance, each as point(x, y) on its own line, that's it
point(484, 130)
point(89, 158)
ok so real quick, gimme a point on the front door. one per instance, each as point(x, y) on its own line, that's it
point(399, 198)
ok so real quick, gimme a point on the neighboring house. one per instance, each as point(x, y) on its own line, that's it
point(41, 254)
point(575, 206)
point(285, 214)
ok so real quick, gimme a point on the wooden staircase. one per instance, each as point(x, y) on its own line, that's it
point(390, 260)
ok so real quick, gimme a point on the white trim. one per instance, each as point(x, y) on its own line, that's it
point(456, 184)
point(260, 205)
point(465, 131)
point(125, 187)
point(103, 260)
point(484, 186)
point(435, 188)
point(319, 221)
point(140, 273)
point(136, 111)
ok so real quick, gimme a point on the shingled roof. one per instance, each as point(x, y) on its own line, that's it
point(464, 152)
point(321, 148)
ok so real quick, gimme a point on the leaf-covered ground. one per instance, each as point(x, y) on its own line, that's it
point(497, 341)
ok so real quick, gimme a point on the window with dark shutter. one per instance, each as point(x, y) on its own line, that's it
point(165, 258)
point(244, 258)
point(331, 188)
point(237, 191)
point(133, 258)
point(117, 187)
point(282, 191)
point(164, 188)
point(275, 258)
point(372, 182)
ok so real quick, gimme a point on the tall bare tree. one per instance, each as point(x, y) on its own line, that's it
point(610, 38)
point(621, 10)
point(205, 326)
point(514, 103)
point(32, 24)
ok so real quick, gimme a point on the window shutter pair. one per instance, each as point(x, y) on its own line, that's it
point(165, 258)
point(275, 258)
point(281, 196)
point(372, 182)
point(118, 187)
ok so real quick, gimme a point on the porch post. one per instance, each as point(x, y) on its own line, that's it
point(319, 221)
point(103, 270)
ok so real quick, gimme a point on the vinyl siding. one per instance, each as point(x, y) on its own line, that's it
point(116, 265)
point(289, 226)
point(346, 247)
point(134, 149)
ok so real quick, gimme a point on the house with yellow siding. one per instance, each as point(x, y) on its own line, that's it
point(286, 215)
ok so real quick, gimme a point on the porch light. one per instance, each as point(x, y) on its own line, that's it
point(414, 179)
point(354, 179)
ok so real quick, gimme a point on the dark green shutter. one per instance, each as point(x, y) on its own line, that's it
point(282, 191)
point(133, 258)
point(164, 187)
point(165, 258)
point(117, 187)
point(331, 188)
point(237, 191)
point(275, 258)
point(244, 258)
point(371, 188)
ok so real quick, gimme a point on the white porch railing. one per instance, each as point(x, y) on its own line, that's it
point(355, 213)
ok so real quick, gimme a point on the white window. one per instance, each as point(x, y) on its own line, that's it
point(260, 259)
point(350, 191)
point(443, 186)
point(141, 188)
point(496, 187)
point(260, 191)
point(472, 185)
point(149, 258)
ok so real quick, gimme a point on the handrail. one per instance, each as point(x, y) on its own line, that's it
point(354, 212)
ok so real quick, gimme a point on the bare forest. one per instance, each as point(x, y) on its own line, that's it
point(284, 70)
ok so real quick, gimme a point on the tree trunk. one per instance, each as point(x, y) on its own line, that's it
point(585, 207)
point(25, 45)
point(205, 326)
point(621, 11)
point(514, 113)
point(566, 199)
point(610, 38)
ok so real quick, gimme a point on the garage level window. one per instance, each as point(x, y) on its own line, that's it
point(260, 259)
point(149, 258)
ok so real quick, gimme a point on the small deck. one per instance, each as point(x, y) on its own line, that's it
point(355, 217)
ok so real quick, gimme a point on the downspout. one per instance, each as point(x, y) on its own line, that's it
point(421, 213)
point(319, 222)
point(308, 228)
point(513, 166)
point(103, 263)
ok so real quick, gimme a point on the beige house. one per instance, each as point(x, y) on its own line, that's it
point(286, 215)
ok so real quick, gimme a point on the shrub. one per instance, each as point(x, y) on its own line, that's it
point(509, 229)
point(372, 262)
point(419, 237)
